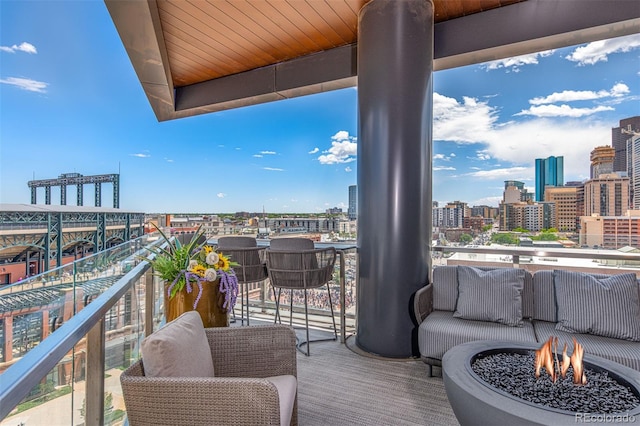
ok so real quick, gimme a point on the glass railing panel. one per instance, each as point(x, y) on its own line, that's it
point(535, 258)
point(28, 317)
point(51, 399)
point(36, 308)
point(124, 331)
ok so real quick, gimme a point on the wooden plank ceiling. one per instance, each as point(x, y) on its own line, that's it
point(207, 39)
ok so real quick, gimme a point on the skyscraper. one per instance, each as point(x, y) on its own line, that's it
point(602, 158)
point(607, 195)
point(633, 169)
point(549, 172)
point(353, 202)
point(619, 141)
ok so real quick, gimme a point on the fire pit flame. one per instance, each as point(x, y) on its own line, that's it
point(566, 361)
point(579, 377)
point(545, 359)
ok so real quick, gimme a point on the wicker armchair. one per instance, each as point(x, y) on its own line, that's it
point(252, 269)
point(294, 264)
point(239, 394)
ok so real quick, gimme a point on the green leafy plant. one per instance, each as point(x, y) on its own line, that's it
point(184, 266)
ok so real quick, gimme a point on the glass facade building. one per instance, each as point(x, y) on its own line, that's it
point(549, 172)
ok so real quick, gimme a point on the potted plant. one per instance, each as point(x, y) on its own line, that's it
point(196, 277)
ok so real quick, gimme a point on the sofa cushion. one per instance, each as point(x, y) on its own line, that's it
point(445, 289)
point(608, 307)
point(179, 349)
point(544, 297)
point(440, 331)
point(621, 351)
point(287, 386)
point(494, 296)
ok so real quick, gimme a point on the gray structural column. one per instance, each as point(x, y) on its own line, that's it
point(395, 63)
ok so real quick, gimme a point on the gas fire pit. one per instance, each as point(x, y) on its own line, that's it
point(551, 397)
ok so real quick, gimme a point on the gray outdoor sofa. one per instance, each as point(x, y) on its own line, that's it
point(467, 303)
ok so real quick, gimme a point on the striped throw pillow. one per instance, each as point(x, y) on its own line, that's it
point(608, 307)
point(494, 295)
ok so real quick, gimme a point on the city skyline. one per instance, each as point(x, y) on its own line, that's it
point(60, 115)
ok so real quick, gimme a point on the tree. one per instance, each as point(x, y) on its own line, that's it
point(466, 238)
point(547, 236)
point(504, 239)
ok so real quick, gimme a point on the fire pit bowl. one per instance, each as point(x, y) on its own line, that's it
point(476, 402)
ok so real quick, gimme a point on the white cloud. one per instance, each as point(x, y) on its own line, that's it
point(444, 157)
point(600, 50)
point(482, 156)
point(348, 169)
point(514, 63)
point(509, 173)
point(26, 84)
point(487, 201)
point(221, 195)
point(268, 152)
point(273, 169)
point(258, 155)
point(440, 168)
point(618, 90)
point(169, 160)
point(467, 122)
point(140, 155)
point(22, 47)
point(343, 149)
point(512, 142)
point(562, 111)
point(314, 150)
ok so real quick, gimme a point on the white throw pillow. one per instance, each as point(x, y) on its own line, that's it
point(179, 349)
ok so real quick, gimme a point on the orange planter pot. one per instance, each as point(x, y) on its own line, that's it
point(209, 306)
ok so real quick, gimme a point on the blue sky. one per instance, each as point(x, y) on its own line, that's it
point(70, 102)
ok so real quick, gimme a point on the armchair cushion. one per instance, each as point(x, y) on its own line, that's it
point(179, 349)
point(287, 386)
point(494, 296)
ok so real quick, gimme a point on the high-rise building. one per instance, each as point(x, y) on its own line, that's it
point(565, 199)
point(619, 141)
point(450, 216)
point(549, 172)
point(353, 202)
point(602, 158)
point(612, 232)
point(514, 192)
point(633, 169)
point(607, 195)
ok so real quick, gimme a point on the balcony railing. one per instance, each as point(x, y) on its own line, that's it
point(74, 329)
point(82, 324)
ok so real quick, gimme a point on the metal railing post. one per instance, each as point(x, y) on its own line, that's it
point(343, 327)
point(94, 396)
point(149, 305)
